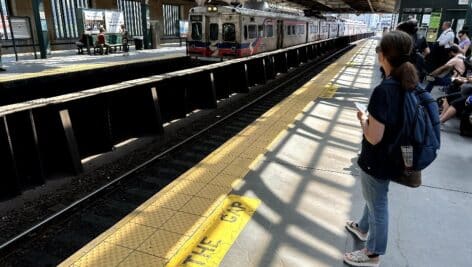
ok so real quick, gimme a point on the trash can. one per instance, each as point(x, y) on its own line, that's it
point(138, 42)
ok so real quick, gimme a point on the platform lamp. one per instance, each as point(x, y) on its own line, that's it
point(468, 19)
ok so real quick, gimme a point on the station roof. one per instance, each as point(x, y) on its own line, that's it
point(345, 6)
point(332, 6)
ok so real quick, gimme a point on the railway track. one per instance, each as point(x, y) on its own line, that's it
point(54, 239)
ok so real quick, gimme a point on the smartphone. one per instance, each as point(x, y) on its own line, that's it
point(361, 107)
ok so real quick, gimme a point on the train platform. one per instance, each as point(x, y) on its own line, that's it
point(67, 61)
point(279, 192)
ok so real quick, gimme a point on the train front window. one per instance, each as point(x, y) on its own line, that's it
point(269, 30)
point(260, 29)
point(213, 31)
point(196, 31)
point(229, 32)
point(252, 31)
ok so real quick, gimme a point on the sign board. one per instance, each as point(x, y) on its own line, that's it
point(94, 19)
point(20, 26)
point(463, 2)
point(113, 21)
point(460, 25)
point(183, 28)
point(434, 23)
point(426, 19)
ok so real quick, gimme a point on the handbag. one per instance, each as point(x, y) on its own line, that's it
point(409, 178)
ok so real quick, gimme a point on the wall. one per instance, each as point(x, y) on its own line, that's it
point(25, 8)
point(450, 8)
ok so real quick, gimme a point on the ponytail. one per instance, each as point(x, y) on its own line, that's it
point(407, 75)
point(397, 47)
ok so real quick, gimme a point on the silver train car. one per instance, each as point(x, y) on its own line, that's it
point(232, 32)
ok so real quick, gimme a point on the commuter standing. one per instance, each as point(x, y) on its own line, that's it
point(420, 46)
point(125, 39)
point(380, 127)
point(445, 41)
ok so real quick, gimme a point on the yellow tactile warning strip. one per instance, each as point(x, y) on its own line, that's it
point(58, 69)
point(164, 229)
point(208, 247)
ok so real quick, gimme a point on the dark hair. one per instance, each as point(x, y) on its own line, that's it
point(409, 26)
point(454, 49)
point(396, 47)
point(463, 32)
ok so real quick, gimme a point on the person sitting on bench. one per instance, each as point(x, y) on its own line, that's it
point(81, 43)
point(101, 42)
point(455, 67)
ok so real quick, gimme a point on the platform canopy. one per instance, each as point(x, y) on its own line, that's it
point(332, 6)
point(346, 6)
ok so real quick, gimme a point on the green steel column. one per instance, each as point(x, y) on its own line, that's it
point(41, 26)
point(468, 18)
point(145, 22)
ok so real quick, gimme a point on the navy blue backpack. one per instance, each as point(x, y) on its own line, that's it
point(420, 127)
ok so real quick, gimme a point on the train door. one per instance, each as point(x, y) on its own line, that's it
point(307, 32)
point(212, 29)
point(280, 34)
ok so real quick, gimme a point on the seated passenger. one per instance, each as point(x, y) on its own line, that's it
point(455, 103)
point(101, 42)
point(81, 43)
point(464, 42)
point(454, 68)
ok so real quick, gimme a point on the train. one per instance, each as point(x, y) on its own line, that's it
point(233, 32)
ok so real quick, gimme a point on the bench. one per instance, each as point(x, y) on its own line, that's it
point(113, 41)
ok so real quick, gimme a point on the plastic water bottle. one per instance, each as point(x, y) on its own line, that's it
point(407, 154)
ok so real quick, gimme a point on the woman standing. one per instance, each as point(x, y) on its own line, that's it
point(380, 127)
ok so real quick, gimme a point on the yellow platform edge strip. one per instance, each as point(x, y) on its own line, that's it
point(209, 246)
point(212, 179)
point(7, 77)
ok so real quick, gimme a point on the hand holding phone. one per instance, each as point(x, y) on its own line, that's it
point(361, 107)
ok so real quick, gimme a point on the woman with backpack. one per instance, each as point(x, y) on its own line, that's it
point(380, 128)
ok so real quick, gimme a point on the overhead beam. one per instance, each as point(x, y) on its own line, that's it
point(371, 7)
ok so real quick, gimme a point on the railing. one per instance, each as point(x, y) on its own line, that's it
point(52, 135)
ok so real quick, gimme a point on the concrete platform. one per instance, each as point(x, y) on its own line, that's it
point(69, 61)
point(308, 184)
point(293, 182)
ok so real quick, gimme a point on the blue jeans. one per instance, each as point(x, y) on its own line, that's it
point(375, 217)
point(445, 81)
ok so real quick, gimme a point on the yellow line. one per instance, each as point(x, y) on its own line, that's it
point(171, 224)
point(208, 247)
point(77, 67)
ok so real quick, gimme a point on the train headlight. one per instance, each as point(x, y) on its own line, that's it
point(215, 9)
point(209, 9)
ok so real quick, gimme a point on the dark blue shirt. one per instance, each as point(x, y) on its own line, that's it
point(385, 105)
